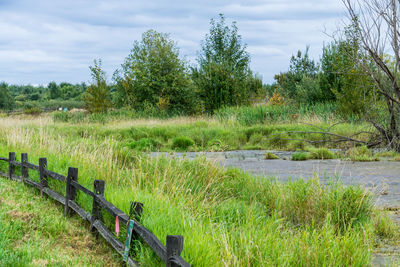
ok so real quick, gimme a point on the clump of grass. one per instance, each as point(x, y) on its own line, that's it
point(384, 227)
point(279, 141)
point(299, 156)
point(182, 143)
point(321, 153)
point(270, 155)
point(144, 144)
point(361, 153)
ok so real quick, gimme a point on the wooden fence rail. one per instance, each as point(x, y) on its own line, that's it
point(169, 254)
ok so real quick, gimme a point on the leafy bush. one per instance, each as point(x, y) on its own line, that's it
point(33, 111)
point(60, 116)
point(182, 143)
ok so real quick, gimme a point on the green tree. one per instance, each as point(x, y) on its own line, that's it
point(97, 95)
point(343, 75)
point(154, 77)
point(6, 100)
point(291, 84)
point(223, 76)
point(54, 90)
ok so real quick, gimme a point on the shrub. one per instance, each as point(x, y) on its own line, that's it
point(33, 111)
point(276, 99)
point(321, 153)
point(182, 143)
point(61, 116)
point(297, 156)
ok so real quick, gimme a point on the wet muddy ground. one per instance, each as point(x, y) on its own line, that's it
point(381, 177)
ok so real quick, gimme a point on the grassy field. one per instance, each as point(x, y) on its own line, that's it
point(228, 218)
point(259, 127)
point(34, 232)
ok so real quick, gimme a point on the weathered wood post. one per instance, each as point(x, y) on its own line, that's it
point(174, 248)
point(24, 168)
point(11, 166)
point(43, 177)
point(135, 210)
point(99, 186)
point(70, 190)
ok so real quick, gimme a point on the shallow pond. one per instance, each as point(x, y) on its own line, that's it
point(381, 177)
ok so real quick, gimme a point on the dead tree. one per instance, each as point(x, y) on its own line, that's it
point(378, 25)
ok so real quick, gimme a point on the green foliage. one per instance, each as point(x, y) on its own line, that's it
point(60, 116)
point(97, 96)
point(33, 111)
point(54, 90)
point(344, 75)
point(182, 143)
point(223, 76)
point(321, 153)
point(145, 144)
point(361, 153)
point(298, 156)
point(264, 114)
point(301, 82)
point(154, 76)
point(6, 100)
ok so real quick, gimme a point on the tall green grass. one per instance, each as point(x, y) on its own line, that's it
point(228, 218)
point(264, 114)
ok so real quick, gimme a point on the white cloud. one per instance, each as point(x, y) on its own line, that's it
point(57, 40)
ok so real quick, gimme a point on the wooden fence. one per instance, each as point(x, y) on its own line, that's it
point(169, 254)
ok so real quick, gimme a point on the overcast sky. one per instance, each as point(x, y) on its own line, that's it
point(50, 40)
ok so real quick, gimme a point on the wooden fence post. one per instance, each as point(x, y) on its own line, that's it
point(43, 177)
point(70, 190)
point(11, 167)
point(24, 169)
point(99, 186)
point(135, 210)
point(174, 248)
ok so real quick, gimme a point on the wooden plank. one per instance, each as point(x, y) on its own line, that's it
point(3, 174)
point(55, 175)
point(16, 177)
point(179, 261)
point(5, 159)
point(16, 163)
point(114, 211)
point(82, 188)
point(112, 240)
point(54, 195)
point(80, 211)
point(31, 166)
point(151, 240)
point(34, 184)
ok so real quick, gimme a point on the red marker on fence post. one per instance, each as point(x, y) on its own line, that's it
point(117, 225)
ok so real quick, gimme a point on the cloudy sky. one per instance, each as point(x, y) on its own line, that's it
point(51, 40)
